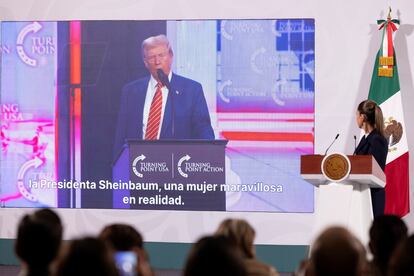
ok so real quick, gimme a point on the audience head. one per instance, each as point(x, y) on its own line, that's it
point(336, 252)
point(385, 234)
point(39, 236)
point(123, 237)
point(402, 261)
point(214, 255)
point(85, 257)
point(240, 234)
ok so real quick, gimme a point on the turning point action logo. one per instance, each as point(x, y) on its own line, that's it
point(184, 167)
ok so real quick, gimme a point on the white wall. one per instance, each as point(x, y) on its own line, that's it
point(346, 43)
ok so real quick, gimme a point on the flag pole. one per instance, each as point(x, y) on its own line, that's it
point(389, 13)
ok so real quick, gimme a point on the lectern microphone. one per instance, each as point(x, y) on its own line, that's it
point(336, 137)
point(354, 144)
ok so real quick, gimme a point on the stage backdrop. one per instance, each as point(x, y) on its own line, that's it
point(346, 40)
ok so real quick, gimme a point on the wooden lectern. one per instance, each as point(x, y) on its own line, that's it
point(346, 202)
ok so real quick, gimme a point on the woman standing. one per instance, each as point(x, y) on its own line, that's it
point(370, 119)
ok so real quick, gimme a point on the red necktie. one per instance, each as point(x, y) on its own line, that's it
point(154, 118)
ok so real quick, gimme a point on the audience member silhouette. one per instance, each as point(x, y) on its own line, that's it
point(123, 237)
point(85, 257)
point(402, 261)
point(214, 255)
point(336, 252)
point(39, 236)
point(385, 234)
point(241, 234)
point(230, 251)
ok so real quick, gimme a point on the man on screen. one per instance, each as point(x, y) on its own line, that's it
point(163, 105)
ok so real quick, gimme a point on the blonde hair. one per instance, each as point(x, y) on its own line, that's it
point(154, 41)
point(240, 234)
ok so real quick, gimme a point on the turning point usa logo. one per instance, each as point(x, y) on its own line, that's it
point(32, 47)
point(139, 166)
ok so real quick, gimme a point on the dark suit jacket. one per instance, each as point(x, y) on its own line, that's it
point(375, 144)
point(191, 116)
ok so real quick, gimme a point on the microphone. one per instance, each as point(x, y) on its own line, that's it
point(163, 78)
point(354, 144)
point(336, 137)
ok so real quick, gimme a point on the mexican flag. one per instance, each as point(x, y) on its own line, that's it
point(385, 90)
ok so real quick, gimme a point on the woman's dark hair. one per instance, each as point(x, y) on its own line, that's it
point(372, 114)
point(385, 234)
point(39, 236)
point(121, 237)
point(336, 252)
point(86, 256)
point(214, 255)
point(402, 260)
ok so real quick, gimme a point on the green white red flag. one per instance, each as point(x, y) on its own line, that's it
point(385, 90)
